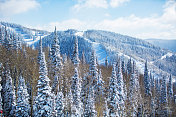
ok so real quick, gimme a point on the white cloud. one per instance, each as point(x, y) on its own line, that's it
point(116, 3)
point(81, 4)
point(90, 4)
point(12, 7)
point(163, 26)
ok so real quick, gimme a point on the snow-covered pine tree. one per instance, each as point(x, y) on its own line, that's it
point(84, 88)
point(147, 92)
point(157, 93)
point(120, 89)
point(59, 103)
point(49, 63)
point(146, 81)
point(75, 58)
point(76, 91)
point(123, 67)
point(9, 97)
point(56, 61)
point(163, 99)
point(170, 89)
point(129, 66)
point(23, 106)
point(137, 91)
point(43, 101)
point(99, 90)
point(152, 83)
point(113, 95)
point(133, 94)
point(7, 43)
point(71, 110)
point(93, 69)
point(89, 110)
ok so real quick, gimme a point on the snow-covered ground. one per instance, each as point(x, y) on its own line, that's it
point(98, 48)
point(27, 38)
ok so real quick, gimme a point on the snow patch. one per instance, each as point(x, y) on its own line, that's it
point(167, 55)
point(81, 33)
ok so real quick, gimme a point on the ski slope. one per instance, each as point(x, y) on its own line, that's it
point(100, 52)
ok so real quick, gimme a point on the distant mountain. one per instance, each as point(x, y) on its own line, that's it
point(105, 44)
point(113, 45)
point(166, 44)
point(29, 36)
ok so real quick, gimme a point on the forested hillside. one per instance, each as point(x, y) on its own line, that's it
point(58, 79)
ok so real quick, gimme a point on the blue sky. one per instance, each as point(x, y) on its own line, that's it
point(137, 18)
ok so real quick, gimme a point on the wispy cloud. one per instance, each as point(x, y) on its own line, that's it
point(81, 4)
point(116, 3)
point(158, 26)
point(90, 4)
point(12, 7)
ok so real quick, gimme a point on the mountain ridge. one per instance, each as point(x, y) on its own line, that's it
point(108, 45)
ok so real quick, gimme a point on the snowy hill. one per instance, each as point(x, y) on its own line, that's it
point(29, 36)
point(105, 44)
point(111, 45)
point(166, 44)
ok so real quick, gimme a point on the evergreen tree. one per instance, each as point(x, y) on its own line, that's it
point(152, 82)
point(163, 99)
point(157, 93)
point(133, 94)
point(146, 81)
point(170, 88)
point(93, 69)
point(23, 107)
point(99, 90)
point(9, 97)
point(76, 90)
point(123, 66)
point(56, 61)
point(60, 103)
point(120, 89)
point(7, 43)
point(113, 95)
point(89, 110)
point(75, 58)
point(84, 88)
point(43, 101)
point(129, 66)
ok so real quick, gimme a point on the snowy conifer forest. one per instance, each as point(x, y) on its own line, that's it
point(83, 74)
